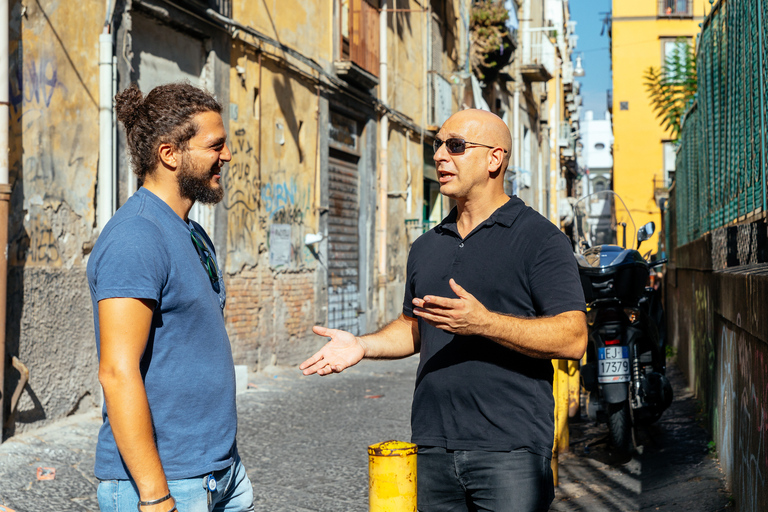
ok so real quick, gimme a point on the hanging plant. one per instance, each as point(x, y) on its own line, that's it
point(490, 48)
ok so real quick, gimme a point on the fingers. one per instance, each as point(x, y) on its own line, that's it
point(312, 360)
point(322, 367)
point(316, 362)
point(323, 331)
point(436, 302)
point(459, 291)
point(435, 320)
point(444, 302)
point(312, 364)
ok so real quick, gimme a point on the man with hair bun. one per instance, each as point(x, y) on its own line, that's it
point(165, 362)
point(492, 294)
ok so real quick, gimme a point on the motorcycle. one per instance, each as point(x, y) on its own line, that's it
point(624, 372)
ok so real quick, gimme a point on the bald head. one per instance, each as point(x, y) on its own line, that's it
point(480, 126)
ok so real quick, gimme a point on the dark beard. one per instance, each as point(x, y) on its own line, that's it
point(195, 184)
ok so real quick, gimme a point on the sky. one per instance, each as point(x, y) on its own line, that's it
point(594, 51)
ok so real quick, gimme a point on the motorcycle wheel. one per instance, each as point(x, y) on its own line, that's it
point(620, 428)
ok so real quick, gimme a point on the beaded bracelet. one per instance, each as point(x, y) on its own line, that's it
point(154, 502)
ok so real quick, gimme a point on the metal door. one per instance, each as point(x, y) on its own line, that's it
point(343, 246)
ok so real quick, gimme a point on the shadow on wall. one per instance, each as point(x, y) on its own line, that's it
point(282, 85)
point(18, 238)
point(403, 20)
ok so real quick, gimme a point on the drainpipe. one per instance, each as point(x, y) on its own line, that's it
point(106, 187)
point(554, 167)
point(5, 193)
point(516, 132)
point(383, 163)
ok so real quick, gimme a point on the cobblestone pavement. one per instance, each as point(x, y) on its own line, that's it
point(672, 470)
point(303, 441)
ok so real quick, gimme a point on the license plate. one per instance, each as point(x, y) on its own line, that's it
point(613, 364)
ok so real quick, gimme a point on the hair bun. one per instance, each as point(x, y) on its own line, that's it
point(128, 106)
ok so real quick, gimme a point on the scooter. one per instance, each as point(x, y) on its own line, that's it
point(624, 373)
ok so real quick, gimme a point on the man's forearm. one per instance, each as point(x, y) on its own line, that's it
point(562, 336)
point(131, 423)
point(398, 339)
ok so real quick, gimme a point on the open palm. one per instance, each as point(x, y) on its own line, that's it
point(344, 350)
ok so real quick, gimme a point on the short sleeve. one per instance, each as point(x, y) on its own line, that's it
point(409, 286)
point(554, 278)
point(131, 262)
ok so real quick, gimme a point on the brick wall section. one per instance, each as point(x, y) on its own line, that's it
point(270, 315)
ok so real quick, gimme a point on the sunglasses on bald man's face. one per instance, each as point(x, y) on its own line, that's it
point(455, 145)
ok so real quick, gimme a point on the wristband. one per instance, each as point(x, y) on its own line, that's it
point(153, 502)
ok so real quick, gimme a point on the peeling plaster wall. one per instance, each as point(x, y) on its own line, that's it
point(54, 338)
point(53, 166)
point(271, 204)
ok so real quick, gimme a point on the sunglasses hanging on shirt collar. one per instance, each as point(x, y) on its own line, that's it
point(206, 258)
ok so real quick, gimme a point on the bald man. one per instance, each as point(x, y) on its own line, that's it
point(492, 295)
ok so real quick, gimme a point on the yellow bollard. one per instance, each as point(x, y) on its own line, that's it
point(560, 392)
point(392, 477)
point(574, 386)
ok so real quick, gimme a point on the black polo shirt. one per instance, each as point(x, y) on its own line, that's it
point(472, 393)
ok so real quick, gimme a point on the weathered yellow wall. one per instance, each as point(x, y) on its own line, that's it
point(301, 25)
point(54, 132)
point(407, 57)
point(637, 149)
point(271, 180)
point(53, 166)
point(281, 188)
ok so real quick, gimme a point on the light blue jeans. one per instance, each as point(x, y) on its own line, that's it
point(233, 493)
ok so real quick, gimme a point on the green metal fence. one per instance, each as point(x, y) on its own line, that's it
point(721, 163)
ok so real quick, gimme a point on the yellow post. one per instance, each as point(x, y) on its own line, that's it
point(564, 439)
point(574, 386)
point(557, 437)
point(392, 477)
point(560, 391)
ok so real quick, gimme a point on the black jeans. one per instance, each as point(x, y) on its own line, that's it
point(469, 481)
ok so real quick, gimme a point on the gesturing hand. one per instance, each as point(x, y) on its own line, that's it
point(344, 350)
point(465, 315)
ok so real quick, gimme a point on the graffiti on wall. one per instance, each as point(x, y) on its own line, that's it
point(33, 83)
point(287, 203)
point(743, 416)
point(253, 207)
point(702, 350)
point(38, 247)
point(242, 202)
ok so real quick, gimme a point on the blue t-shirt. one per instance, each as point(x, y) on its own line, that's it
point(146, 252)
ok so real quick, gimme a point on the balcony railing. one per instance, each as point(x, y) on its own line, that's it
point(675, 8)
point(538, 62)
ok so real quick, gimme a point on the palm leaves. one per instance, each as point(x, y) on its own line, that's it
point(672, 87)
